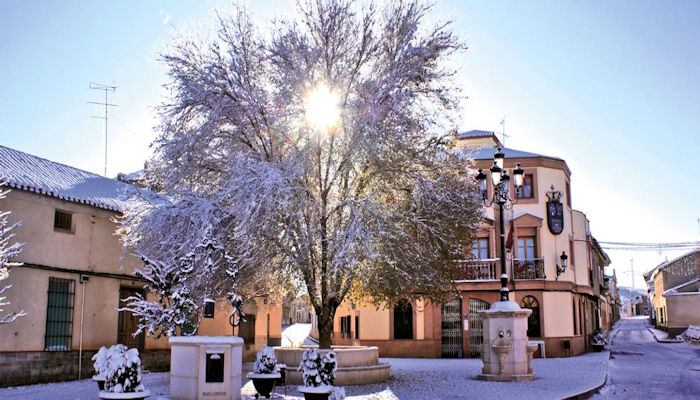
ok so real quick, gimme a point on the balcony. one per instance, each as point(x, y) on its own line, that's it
point(478, 270)
point(528, 268)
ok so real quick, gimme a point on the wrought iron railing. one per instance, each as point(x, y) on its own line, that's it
point(478, 270)
point(528, 268)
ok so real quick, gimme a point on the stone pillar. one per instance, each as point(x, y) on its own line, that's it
point(505, 348)
point(205, 367)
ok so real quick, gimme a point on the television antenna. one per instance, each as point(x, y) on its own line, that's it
point(503, 131)
point(107, 89)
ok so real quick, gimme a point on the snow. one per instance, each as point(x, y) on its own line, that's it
point(505, 306)
point(206, 339)
point(35, 174)
point(295, 335)
point(411, 378)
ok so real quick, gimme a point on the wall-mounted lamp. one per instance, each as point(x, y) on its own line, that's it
point(564, 263)
point(208, 311)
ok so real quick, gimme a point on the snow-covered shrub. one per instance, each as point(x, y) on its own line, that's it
point(100, 362)
point(123, 372)
point(600, 337)
point(265, 361)
point(317, 370)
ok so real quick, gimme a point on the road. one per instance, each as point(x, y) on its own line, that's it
point(642, 368)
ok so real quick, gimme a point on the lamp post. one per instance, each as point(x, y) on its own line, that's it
point(501, 196)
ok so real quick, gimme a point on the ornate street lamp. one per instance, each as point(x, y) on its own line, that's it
point(501, 196)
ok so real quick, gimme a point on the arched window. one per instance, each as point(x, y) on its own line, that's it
point(533, 321)
point(403, 320)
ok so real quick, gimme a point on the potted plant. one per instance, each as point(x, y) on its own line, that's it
point(318, 374)
point(100, 366)
point(599, 340)
point(123, 374)
point(265, 374)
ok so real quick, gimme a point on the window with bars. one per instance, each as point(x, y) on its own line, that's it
point(63, 221)
point(59, 314)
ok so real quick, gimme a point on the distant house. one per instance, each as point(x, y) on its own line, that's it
point(568, 306)
point(676, 293)
point(73, 277)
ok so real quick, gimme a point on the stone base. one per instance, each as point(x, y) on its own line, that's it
point(506, 378)
point(357, 365)
point(189, 378)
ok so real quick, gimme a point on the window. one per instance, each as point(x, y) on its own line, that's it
point(527, 191)
point(572, 263)
point(59, 314)
point(63, 221)
point(573, 305)
point(357, 327)
point(246, 330)
point(345, 327)
point(480, 248)
point(526, 247)
point(403, 320)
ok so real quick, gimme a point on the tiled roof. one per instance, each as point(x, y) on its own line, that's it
point(35, 174)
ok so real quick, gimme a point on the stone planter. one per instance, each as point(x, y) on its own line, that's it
point(100, 381)
point(125, 395)
point(598, 346)
point(357, 365)
point(264, 383)
point(315, 393)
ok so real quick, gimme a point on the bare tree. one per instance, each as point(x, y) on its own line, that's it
point(7, 252)
point(371, 201)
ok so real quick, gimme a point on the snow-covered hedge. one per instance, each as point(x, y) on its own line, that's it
point(600, 337)
point(265, 361)
point(120, 367)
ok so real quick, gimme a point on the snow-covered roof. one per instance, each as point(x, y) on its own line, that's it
point(675, 289)
point(476, 133)
point(487, 154)
point(39, 175)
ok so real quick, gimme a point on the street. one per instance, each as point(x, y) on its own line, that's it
point(640, 367)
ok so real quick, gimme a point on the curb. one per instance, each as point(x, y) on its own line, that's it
point(662, 340)
point(588, 393)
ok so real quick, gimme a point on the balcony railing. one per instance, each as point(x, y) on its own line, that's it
point(478, 270)
point(528, 268)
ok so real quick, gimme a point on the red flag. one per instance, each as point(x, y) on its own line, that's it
point(509, 239)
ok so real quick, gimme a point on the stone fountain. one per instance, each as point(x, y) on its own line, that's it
point(506, 353)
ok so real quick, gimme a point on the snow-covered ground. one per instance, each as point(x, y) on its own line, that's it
point(642, 368)
point(411, 378)
point(295, 335)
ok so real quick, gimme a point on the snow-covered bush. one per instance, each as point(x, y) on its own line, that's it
point(317, 370)
point(100, 362)
point(265, 361)
point(123, 372)
point(600, 337)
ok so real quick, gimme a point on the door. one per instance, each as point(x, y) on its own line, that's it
point(476, 326)
point(128, 322)
point(452, 328)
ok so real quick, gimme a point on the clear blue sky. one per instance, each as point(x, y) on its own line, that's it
point(611, 87)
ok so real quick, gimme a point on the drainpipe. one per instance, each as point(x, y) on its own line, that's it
point(83, 280)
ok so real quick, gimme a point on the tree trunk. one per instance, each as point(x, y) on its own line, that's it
point(325, 327)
